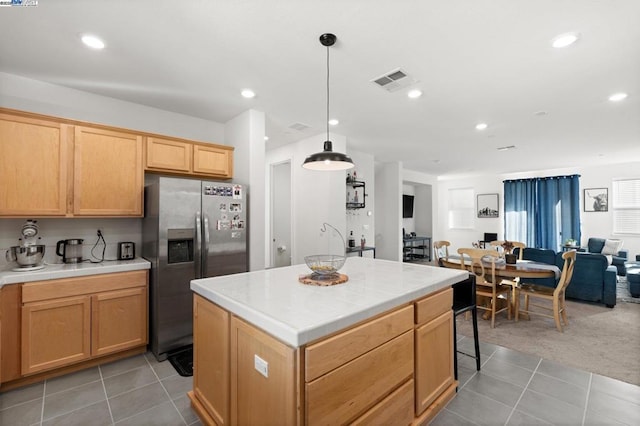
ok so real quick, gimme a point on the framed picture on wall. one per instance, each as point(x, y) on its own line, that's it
point(596, 199)
point(488, 205)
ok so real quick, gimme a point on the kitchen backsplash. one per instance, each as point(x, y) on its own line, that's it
point(53, 230)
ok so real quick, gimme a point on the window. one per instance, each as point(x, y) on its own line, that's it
point(626, 206)
point(461, 208)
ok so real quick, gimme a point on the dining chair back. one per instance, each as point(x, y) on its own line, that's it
point(441, 250)
point(489, 287)
point(555, 295)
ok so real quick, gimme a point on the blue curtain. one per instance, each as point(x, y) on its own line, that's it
point(543, 212)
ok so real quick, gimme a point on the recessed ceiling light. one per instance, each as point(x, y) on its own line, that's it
point(564, 40)
point(413, 94)
point(248, 93)
point(266, 138)
point(481, 126)
point(618, 97)
point(92, 41)
point(334, 122)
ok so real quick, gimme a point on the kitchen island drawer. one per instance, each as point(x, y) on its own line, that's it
point(434, 305)
point(335, 351)
point(396, 409)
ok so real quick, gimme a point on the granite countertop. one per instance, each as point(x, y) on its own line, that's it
point(295, 313)
point(53, 271)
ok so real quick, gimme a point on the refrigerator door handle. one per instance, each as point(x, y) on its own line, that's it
point(205, 257)
point(198, 246)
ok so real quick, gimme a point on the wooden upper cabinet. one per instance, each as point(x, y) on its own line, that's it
point(188, 158)
point(33, 166)
point(108, 174)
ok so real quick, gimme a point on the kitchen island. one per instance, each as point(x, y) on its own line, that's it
point(376, 349)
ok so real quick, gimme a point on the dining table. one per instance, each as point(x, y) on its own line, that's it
point(514, 273)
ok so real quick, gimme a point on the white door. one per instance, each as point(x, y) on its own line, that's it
point(281, 214)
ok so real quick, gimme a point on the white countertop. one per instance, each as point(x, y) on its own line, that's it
point(62, 270)
point(295, 313)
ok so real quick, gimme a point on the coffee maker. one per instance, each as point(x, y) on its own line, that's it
point(70, 250)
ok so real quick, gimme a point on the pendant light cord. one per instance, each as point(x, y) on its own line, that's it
point(327, 92)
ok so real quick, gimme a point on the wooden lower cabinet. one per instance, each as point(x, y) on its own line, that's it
point(386, 370)
point(68, 321)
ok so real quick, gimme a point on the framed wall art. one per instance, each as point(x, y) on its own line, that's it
point(488, 205)
point(596, 199)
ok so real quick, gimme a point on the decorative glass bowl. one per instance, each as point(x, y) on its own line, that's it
point(325, 264)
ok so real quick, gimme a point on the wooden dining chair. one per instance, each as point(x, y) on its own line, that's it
point(482, 263)
point(441, 251)
point(516, 244)
point(555, 295)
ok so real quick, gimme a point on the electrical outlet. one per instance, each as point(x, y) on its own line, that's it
point(261, 365)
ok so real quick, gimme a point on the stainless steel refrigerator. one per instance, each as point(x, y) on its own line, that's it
point(191, 229)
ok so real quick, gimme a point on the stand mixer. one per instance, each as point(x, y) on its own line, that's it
point(28, 255)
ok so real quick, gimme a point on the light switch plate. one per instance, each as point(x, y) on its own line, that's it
point(261, 365)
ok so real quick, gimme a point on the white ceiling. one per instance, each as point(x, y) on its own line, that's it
point(475, 60)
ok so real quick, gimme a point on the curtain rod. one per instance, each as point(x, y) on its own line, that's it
point(540, 178)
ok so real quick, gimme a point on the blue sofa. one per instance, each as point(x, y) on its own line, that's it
point(595, 245)
point(593, 280)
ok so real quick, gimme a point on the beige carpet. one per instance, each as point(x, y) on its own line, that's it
point(598, 339)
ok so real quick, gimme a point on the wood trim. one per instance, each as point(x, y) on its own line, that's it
point(11, 311)
point(90, 284)
point(201, 411)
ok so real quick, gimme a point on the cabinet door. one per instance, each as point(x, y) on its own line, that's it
point(213, 160)
point(434, 360)
point(119, 320)
point(108, 173)
point(55, 333)
point(167, 154)
point(33, 166)
point(211, 359)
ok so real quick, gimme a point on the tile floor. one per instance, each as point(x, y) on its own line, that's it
point(514, 388)
point(511, 389)
point(134, 391)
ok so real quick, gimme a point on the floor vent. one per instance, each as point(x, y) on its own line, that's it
point(394, 80)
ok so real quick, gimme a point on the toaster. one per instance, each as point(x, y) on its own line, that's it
point(126, 250)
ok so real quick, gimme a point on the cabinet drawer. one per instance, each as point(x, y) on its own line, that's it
point(434, 305)
point(350, 390)
point(342, 348)
point(66, 287)
point(396, 409)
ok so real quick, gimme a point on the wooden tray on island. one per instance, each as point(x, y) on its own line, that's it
point(323, 280)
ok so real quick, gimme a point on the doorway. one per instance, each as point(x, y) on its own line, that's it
point(280, 214)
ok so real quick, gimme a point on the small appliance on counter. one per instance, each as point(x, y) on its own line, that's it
point(126, 250)
point(70, 250)
point(28, 255)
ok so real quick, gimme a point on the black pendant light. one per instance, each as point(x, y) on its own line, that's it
point(327, 160)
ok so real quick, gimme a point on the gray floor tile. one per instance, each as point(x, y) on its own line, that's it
point(121, 366)
point(196, 423)
point(464, 375)
point(25, 414)
point(162, 415)
point(518, 418)
point(489, 386)
point(559, 389)
point(178, 386)
point(526, 361)
point(467, 345)
point(183, 404)
point(616, 388)
point(449, 418)
point(595, 419)
point(613, 407)
point(95, 415)
point(162, 369)
point(21, 395)
point(479, 408)
point(549, 409)
point(134, 402)
point(468, 361)
point(130, 380)
point(507, 372)
point(567, 374)
point(72, 380)
point(73, 399)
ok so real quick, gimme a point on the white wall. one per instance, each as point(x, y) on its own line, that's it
point(388, 208)
point(317, 197)
point(362, 221)
point(246, 134)
point(594, 224)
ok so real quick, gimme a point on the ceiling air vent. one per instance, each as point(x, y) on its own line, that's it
point(394, 80)
point(299, 127)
